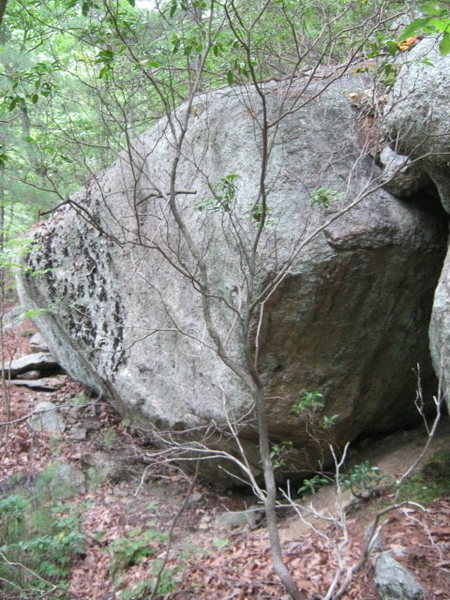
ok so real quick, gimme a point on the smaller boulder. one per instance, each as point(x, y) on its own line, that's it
point(39, 361)
point(401, 176)
point(13, 318)
point(62, 480)
point(108, 466)
point(42, 385)
point(394, 582)
point(240, 518)
point(38, 343)
point(31, 375)
point(47, 419)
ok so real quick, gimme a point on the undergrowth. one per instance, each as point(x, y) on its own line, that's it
point(432, 482)
point(137, 546)
point(39, 539)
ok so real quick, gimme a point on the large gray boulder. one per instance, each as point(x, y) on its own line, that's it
point(417, 124)
point(150, 297)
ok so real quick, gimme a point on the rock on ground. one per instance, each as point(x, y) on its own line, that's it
point(394, 582)
point(39, 361)
point(148, 289)
point(46, 418)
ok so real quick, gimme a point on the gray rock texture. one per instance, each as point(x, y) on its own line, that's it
point(394, 582)
point(440, 330)
point(46, 418)
point(63, 480)
point(107, 466)
point(400, 176)
point(40, 361)
point(239, 518)
point(38, 343)
point(143, 299)
point(417, 117)
point(417, 123)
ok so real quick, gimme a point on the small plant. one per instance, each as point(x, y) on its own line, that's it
point(431, 482)
point(279, 452)
point(323, 197)
point(80, 401)
point(329, 422)
point(141, 590)
point(309, 405)
point(311, 485)
point(166, 580)
point(109, 437)
point(224, 195)
point(364, 480)
point(307, 402)
point(165, 584)
point(221, 542)
point(137, 545)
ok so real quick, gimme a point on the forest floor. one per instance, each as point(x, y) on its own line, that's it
point(201, 559)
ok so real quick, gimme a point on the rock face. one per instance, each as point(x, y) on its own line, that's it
point(151, 294)
point(417, 122)
point(417, 117)
point(42, 361)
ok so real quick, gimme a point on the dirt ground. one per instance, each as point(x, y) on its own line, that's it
point(205, 561)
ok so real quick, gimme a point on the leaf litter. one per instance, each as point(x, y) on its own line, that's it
point(239, 567)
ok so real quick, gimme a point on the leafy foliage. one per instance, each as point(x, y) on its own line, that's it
point(40, 540)
point(224, 195)
point(137, 545)
point(364, 480)
point(312, 484)
point(436, 20)
point(279, 453)
point(323, 197)
point(309, 406)
point(309, 401)
point(430, 482)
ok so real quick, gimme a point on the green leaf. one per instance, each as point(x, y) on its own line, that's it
point(230, 77)
point(413, 28)
point(105, 56)
point(35, 98)
point(444, 45)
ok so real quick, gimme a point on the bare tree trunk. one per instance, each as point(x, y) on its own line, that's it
point(270, 500)
point(5, 390)
point(3, 4)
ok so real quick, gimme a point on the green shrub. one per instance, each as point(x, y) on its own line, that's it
point(433, 481)
point(41, 540)
point(364, 480)
point(130, 549)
